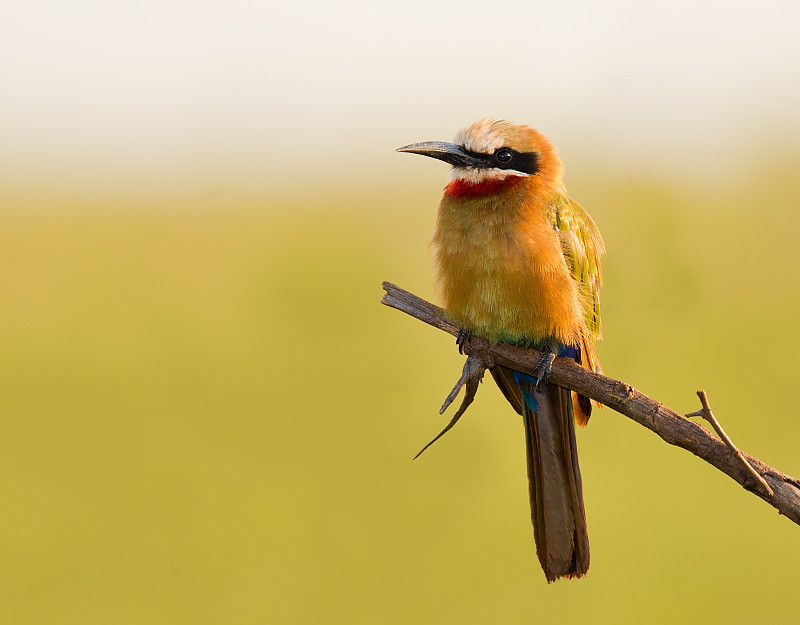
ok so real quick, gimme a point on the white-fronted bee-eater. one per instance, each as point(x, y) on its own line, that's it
point(518, 261)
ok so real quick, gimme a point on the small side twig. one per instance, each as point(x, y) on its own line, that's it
point(472, 375)
point(706, 414)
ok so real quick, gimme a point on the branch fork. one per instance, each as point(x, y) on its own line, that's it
point(706, 414)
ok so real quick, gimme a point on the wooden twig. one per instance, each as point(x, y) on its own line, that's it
point(474, 368)
point(622, 397)
point(706, 413)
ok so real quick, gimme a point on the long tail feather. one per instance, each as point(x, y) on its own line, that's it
point(554, 478)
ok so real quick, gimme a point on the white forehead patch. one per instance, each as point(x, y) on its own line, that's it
point(484, 136)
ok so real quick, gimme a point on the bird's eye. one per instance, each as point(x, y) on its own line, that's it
point(503, 155)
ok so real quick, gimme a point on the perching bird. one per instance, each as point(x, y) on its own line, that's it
point(518, 261)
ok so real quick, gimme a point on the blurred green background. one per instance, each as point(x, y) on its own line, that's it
point(208, 417)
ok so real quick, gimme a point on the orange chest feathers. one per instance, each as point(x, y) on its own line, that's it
point(501, 272)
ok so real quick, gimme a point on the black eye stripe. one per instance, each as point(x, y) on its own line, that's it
point(525, 162)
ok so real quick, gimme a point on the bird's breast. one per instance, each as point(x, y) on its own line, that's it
point(501, 271)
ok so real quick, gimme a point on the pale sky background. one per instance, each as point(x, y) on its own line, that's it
point(205, 94)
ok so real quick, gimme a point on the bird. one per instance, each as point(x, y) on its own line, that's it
point(518, 261)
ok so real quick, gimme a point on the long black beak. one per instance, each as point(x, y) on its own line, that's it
point(447, 152)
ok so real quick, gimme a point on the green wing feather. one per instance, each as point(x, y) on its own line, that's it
point(582, 247)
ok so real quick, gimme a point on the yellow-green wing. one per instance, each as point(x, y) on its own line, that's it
point(582, 247)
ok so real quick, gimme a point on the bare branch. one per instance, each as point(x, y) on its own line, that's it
point(622, 397)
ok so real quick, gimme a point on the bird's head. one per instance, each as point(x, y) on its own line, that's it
point(490, 153)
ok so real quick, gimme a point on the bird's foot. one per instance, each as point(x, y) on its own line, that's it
point(463, 337)
point(543, 369)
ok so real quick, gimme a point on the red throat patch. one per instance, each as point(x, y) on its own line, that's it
point(463, 188)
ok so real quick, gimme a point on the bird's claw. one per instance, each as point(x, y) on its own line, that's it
point(543, 369)
point(463, 337)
